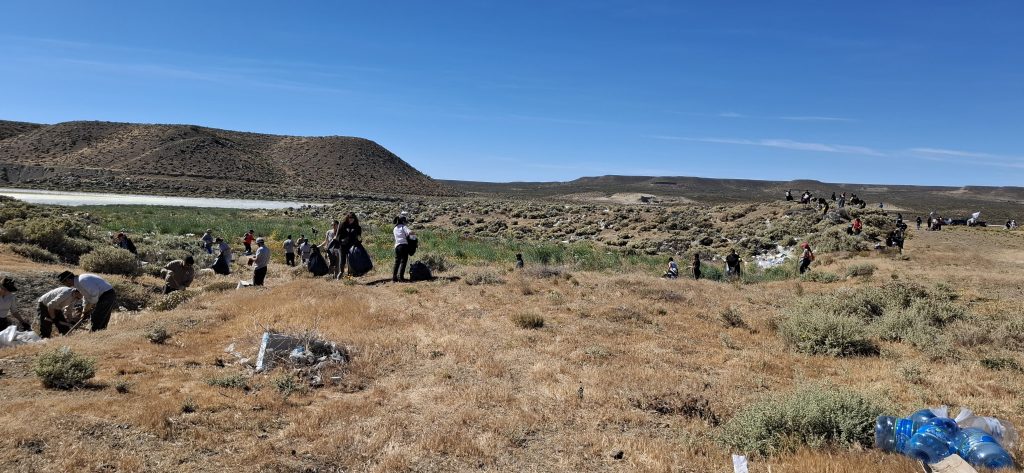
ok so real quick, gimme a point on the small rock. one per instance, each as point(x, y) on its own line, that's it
point(618, 455)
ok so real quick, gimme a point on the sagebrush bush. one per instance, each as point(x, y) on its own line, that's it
point(220, 286)
point(172, 300)
point(437, 263)
point(236, 381)
point(820, 333)
point(131, 296)
point(860, 270)
point(33, 253)
point(110, 260)
point(158, 335)
point(64, 369)
point(483, 277)
point(811, 416)
point(820, 276)
point(528, 321)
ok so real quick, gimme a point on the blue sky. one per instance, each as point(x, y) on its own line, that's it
point(919, 92)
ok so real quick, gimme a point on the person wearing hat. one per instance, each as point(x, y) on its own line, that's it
point(8, 306)
point(179, 274)
point(806, 257)
point(208, 241)
point(99, 295)
point(260, 262)
point(51, 310)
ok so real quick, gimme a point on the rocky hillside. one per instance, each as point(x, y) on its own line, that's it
point(200, 160)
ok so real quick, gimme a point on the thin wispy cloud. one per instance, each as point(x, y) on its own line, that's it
point(968, 157)
point(792, 118)
point(815, 119)
point(782, 143)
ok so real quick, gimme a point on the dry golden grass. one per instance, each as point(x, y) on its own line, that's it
point(442, 379)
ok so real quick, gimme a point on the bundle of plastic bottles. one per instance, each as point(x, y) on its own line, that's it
point(930, 435)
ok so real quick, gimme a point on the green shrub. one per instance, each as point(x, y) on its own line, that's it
point(999, 364)
point(64, 369)
point(782, 272)
point(528, 321)
point(860, 270)
point(820, 276)
point(811, 416)
point(33, 253)
point(158, 335)
point(902, 326)
point(936, 312)
point(172, 300)
point(732, 318)
point(110, 260)
point(819, 333)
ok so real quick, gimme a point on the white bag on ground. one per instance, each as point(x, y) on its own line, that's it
point(11, 337)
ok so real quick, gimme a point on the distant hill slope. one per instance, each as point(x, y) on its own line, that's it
point(996, 203)
point(207, 161)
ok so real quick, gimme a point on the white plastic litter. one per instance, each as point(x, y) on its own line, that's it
point(739, 464)
point(772, 259)
point(11, 337)
point(1001, 430)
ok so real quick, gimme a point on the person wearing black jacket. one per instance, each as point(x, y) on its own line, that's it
point(349, 234)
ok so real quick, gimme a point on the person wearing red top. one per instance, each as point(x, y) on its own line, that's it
point(247, 240)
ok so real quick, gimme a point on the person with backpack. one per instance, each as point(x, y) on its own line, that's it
point(289, 251)
point(806, 258)
point(402, 235)
point(349, 234)
point(695, 267)
point(732, 265)
point(673, 269)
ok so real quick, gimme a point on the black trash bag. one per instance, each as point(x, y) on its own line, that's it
point(316, 264)
point(359, 262)
point(221, 265)
point(412, 244)
point(419, 272)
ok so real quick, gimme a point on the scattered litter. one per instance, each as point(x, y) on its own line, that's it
point(739, 464)
point(771, 259)
point(11, 337)
point(308, 354)
point(931, 436)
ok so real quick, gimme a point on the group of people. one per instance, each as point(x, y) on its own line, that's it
point(841, 201)
point(82, 296)
point(734, 265)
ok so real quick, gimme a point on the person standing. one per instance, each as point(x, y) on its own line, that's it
point(304, 249)
point(349, 235)
point(919, 222)
point(99, 296)
point(208, 241)
point(9, 314)
point(289, 251)
point(260, 262)
point(51, 310)
point(179, 274)
point(696, 266)
point(789, 195)
point(732, 265)
point(247, 241)
point(401, 233)
point(225, 250)
point(329, 246)
point(806, 257)
point(520, 264)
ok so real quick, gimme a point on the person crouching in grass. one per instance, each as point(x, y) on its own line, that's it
point(99, 296)
point(51, 310)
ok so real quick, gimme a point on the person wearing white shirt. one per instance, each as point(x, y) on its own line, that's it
point(99, 296)
point(8, 306)
point(402, 234)
point(51, 310)
point(260, 262)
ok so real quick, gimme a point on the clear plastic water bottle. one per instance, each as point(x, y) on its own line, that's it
point(980, 449)
point(892, 433)
point(933, 441)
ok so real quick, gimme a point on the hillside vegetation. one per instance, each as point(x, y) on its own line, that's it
point(188, 159)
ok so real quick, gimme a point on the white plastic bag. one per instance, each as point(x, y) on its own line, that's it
point(1001, 430)
point(10, 337)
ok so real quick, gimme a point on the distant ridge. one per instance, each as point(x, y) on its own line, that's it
point(91, 155)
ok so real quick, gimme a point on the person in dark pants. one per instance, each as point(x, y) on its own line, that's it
point(260, 262)
point(99, 295)
point(732, 266)
point(348, 235)
point(247, 241)
point(9, 314)
point(696, 266)
point(806, 258)
point(179, 274)
point(402, 234)
point(51, 310)
point(289, 251)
